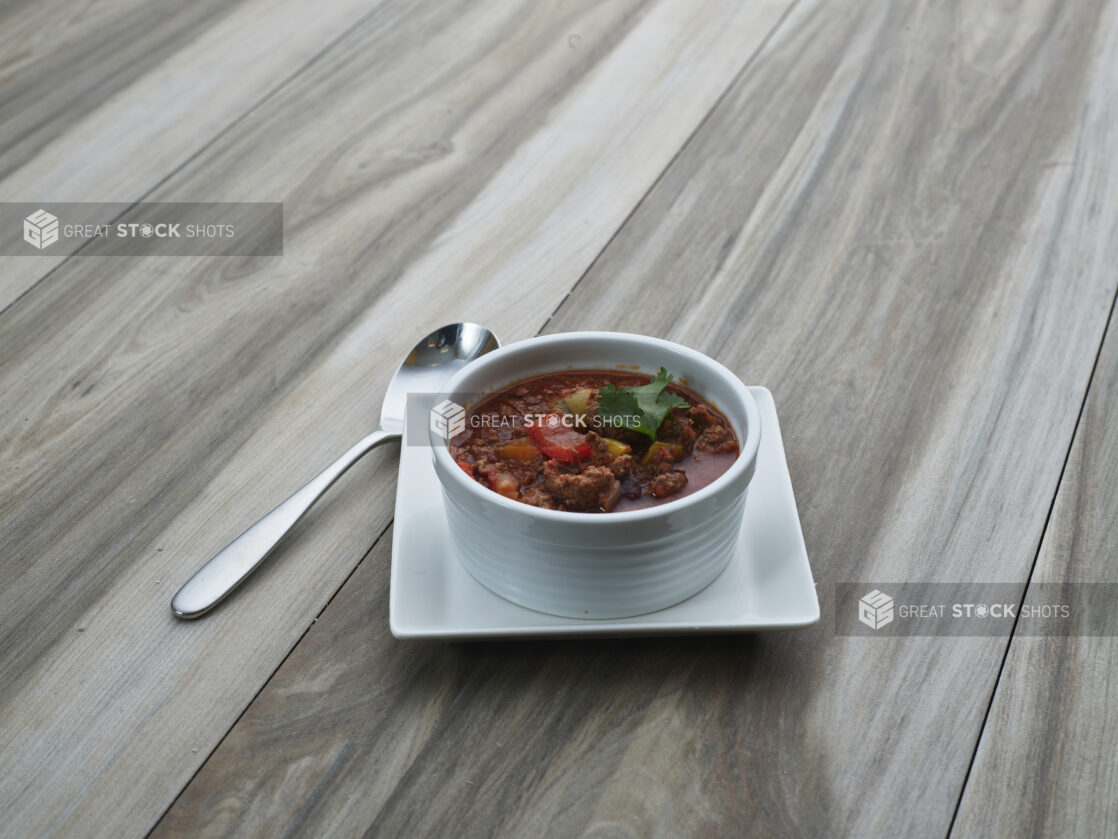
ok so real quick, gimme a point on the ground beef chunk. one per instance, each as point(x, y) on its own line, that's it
point(667, 483)
point(599, 450)
point(591, 489)
point(537, 496)
point(702, 417)
point(622, 467)
point(677, 429)
point(610, 498)
point(718, 439)
point(657, 462)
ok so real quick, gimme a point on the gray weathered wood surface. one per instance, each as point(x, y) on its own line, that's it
point(103, 101)
point(1046, 763)
point(899, 217)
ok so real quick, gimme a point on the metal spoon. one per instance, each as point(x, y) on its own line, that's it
point(426, 369)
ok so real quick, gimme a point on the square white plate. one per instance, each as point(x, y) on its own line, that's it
point(767, 585)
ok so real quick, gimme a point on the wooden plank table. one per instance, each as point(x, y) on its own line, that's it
point(901, 218)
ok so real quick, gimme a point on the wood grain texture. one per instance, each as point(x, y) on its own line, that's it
point(62, 60)
point(102, 101)
point(896, 221)
point(1045, 764)
point(156, 405)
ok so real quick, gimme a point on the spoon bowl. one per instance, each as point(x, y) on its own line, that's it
point(430, 364)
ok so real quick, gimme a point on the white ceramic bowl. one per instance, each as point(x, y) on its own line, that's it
point(599, 565)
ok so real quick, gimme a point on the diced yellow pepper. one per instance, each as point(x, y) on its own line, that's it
point(578, 401)
point(521, 449)
point(616, 448)
point(673, 450)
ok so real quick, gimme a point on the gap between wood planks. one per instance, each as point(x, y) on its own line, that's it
point(1032, 568)
point(268, 681)
point(652, 186)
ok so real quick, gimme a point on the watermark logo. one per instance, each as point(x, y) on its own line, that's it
point(154, 228)
point(875, 610)
point(40, 229)
point(448, 418)
point(969, 609)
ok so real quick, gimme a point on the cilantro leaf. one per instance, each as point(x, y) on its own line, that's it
point(639, 407)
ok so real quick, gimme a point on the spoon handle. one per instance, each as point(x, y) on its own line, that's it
point(214, 580)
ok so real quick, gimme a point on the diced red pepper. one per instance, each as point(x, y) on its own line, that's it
point(558, 441)
point(466, 467)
